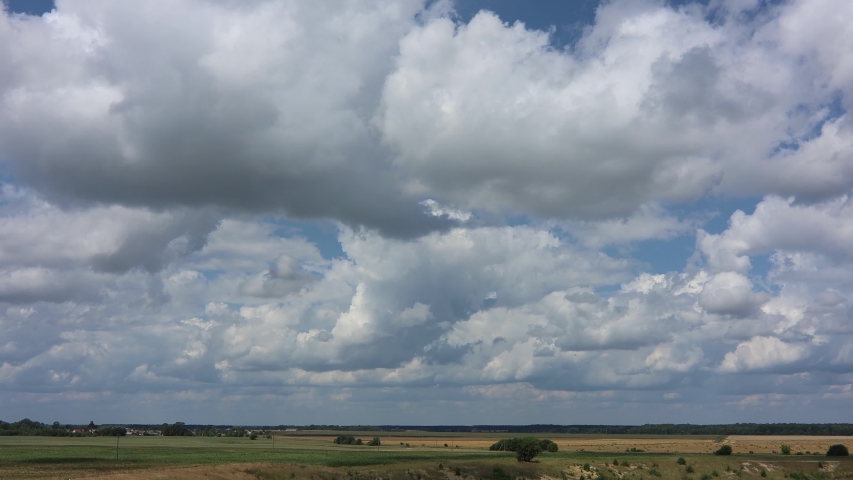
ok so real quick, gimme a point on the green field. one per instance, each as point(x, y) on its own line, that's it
point(29, 457)
point(319, 459)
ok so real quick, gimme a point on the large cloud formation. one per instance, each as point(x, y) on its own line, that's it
point(155, 155)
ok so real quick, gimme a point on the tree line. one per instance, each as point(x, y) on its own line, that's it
point(30, 427)
point(27, 427)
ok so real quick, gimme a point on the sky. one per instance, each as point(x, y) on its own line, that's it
point(426, 212)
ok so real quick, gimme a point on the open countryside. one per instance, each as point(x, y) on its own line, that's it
point(313, 455)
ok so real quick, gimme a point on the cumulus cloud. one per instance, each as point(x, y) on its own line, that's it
point(651, 104)
point(486, 189)
point(203, 113)
point(762, 353)
point(730, 293)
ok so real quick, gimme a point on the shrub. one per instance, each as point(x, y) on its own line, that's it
point(615, 462)
point(785, 449)
point(346, 440)
point(585, 467)
point(724, 450)
point(681, 461)
point(689, 469)
point(525, 448)
point(253, 436)
point(548, 446)
point(374, 443)
point(499, 474)
point(837, 450)
point(763, 473)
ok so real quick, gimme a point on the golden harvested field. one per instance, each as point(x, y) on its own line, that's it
point(599, 443)
point(771, 444)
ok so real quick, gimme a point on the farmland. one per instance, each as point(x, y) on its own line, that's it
point(415, 456)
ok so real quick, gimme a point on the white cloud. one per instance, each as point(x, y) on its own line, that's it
point(478, 182)
point(730, 293)
point(760, 353)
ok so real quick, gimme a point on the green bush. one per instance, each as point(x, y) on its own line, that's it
point(346, 440)
point(785, 449)
point(499, 474)
point(681, 461)
point(724, 450)
point(837, 450)
point(375, 442)
point(689, 469)
point(525, 448)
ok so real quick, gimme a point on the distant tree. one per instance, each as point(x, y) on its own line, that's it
point(346, 440)
point(837, 450)
point(724, 450)
point(112, 431)
point(516, 445)
point(785, 449)
point(253, 436)
point(681, 461)
point(374, 443)
point(528, 448)
point(548, 445)
point(209, 432)
point(177, 429)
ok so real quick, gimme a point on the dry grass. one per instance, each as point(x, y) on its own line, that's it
point(662, 444)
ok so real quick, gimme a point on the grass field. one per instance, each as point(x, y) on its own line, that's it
point(315, 457)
